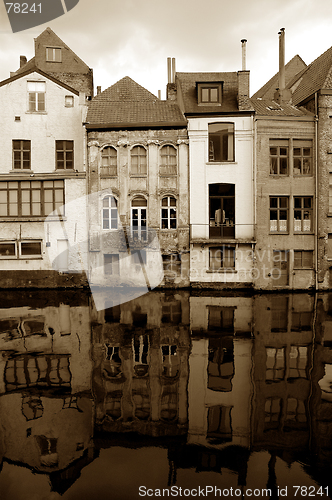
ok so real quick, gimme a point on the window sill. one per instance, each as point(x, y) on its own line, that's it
point(304, 232)
point(21, 171)
point(279, 175)
point(221, 271)
point(230, 162)
point(303, 268)
point(139, 175)
point(168, 175)
point(279, 232)
point(36, 112)
point(106, 176)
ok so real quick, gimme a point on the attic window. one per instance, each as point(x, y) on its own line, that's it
point(69, 101)
point(53, 54)
point(209, 94)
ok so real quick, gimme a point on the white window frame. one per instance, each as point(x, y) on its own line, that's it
point(110, 213)
point(36, 88)
point(52, 51)
point(166, 213)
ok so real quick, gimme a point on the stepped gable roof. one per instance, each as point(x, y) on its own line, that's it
point(268, 108)
point(128, 104)
point(292, 69)
point(317, 76)
point(188, 91)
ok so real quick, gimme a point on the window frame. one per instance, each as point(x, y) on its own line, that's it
point(221, 210)
point(302, 145)
point(278, 156)
point(65, 151)
point(168, 168)
point(303, 211)
point(54, 52)
point(300, 262)
point(21, 152)
point(214, 259)
point(69, 101)
point(142, 167)
point(36, 98)
point(112, 212)
point(209, 86)
point(18, 253)
point(279, 209)
point(108, 266)
point(166, 212)
point(217, 138)
point(142, 216)
point(111, 169)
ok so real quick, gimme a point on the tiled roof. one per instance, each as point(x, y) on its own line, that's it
point(268, 107)
point(28, 65)
point(315, 77)
point(43, 74)
point(187, 82)
point(292, 68)
point(126, 103)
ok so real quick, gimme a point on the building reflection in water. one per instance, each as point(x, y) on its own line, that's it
point(224, 384)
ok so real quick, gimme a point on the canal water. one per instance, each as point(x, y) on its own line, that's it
point(173, 394)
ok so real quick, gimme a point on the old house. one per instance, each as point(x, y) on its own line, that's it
point(42, 164)
point(220, 130)
point(138, 171)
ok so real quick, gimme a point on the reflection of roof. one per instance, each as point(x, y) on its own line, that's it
point(128, 104)
point(268, 108)
point(187, 82)
point(318, 75)
point(292, 68)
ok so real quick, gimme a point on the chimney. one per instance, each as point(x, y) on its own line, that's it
point(159, 94)
point(282, 94)
point(171, 85)
point(244, 53)
point(23, 61)
point(98, 89)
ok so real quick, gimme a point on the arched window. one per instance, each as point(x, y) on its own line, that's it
point(110, 213)
point(168, 213)
point(139, 217)
point(138, 160)
point(168, 160)
point(109, 158)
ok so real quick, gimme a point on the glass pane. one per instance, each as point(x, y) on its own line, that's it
point(297, 202)
point(283, 202)
point(7, 249)
point(205, 95)
point(214, 95)
point(273, 202)
point(297, 151)
point(283, 166)
point(274, 166)
point(31, 248)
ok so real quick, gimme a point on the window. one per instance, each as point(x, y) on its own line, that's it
point(272, 413)
point(302, 214)
point(30, 198)
point(279, 214)
point(302, 158)
point(221, 258)
point(172, 312)
point(30, 249)
point(168, 213)
point(21, 155)
point(221, 318)
point(172, 265)
point(280, 271)
point(168, 160)
point(220, 363)
point(221, 142)
point(36, 92)
point(110, 213)
point(219, 428)
point(222, 210)
point(53, 54)
point(7, 249)
point(111, 264)
point(109, 159)
point(64, 155)
point(69, 101)
point(279, 157)
point(138, 161)
point(303, 259)
point(209, 93)
point(138, 218)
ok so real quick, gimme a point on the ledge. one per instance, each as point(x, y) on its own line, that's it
point(222, 241)
point(221, 271)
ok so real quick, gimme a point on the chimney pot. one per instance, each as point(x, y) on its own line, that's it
point(169, 70)
point(173, 69)
point(23, 61)
point(98, 89)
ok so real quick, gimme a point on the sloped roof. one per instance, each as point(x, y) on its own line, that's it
point(43, 74)
point(188, 81)
point(268, 108)
point(292, 68)
point(128, 104)
point(314, 78)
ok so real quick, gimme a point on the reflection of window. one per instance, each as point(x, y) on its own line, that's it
point(32, 407)
point(48, 451)
point(113, 404)
point(302, 157)
point(303, 259)
point(141, 401)
point(171, 312)
point(222, 210)
point(272, 413)
point(298, 362)
point(279, 214)
point(36, 92)
point(64, 155)
point(171, 361)
point(138, 160)
point(219, 423)
point(112, 365)
point(110, 213)
point(279, 158)
point(221, 364)
point(111, 264)
point(221, 142)
point(296, 417)
point(21, 155)
point(109, 162)
point(275, 364)
point(301, 321)
point(221, 318)
point(140, 344)
point(221, 258)
point(112, 314)
point(168, 213)
point(168, 160)
point(302, 214)
point(279, 314)
point(169, 403)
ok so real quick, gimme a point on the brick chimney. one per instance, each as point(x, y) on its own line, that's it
point(23, 61)
point(282, 94)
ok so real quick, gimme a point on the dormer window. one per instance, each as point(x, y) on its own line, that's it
point(53, 54)
point(209, 94)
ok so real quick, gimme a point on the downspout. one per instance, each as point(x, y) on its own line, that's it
point(255, 185)
point(316, 192)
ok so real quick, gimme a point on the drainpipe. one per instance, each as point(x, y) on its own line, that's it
point(316, 192)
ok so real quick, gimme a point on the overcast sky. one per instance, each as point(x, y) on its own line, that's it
point(135, 37)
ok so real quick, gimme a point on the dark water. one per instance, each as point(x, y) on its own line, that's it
point(169, 395)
